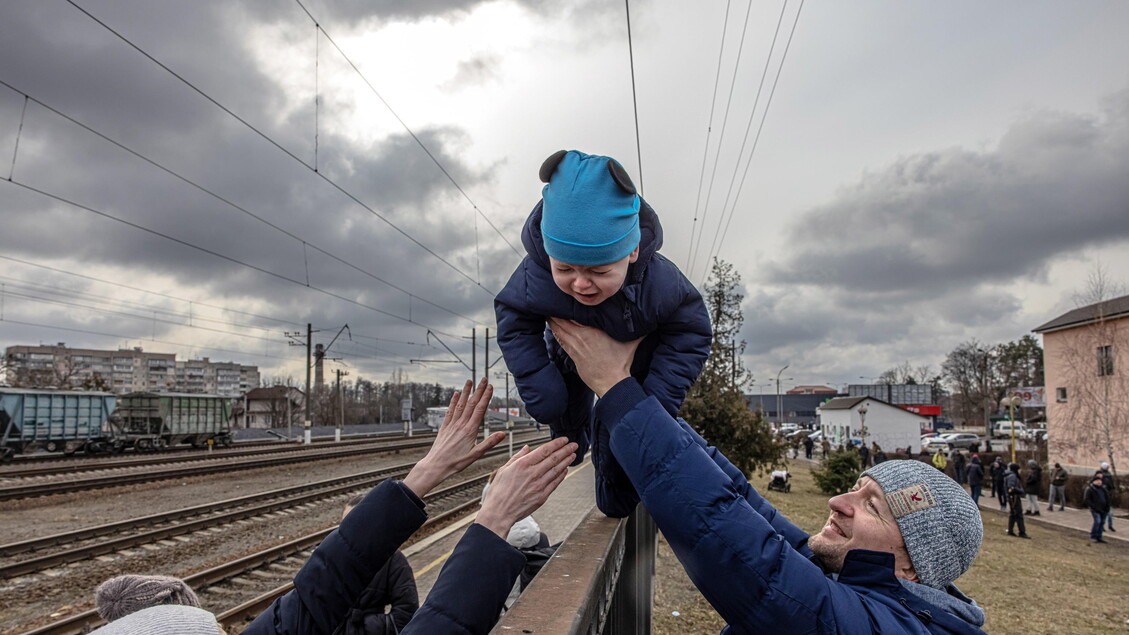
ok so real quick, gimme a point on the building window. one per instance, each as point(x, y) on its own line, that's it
point(1105, 361)
point(1060, 394)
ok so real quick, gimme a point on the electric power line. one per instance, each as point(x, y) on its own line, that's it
point(279, 146)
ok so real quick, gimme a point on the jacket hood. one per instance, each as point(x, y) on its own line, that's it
point(650, 240)
point(950, 599)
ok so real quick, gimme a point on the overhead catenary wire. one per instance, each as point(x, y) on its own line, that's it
point(721, 136)
point(709, 129)
point(229, 203)
point(280, 147)
point(748, 127)
point(634, 99)
point(410, 132)
point(720, 238)
point(212, 252)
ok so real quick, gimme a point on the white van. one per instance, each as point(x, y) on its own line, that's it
point(1003, 430)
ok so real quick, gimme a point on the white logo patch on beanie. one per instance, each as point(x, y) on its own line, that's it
point(910, 499)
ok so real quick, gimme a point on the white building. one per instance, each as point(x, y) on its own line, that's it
point(842, 420)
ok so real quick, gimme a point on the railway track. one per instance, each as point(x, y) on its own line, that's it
point(49, 467)
point(236, 585)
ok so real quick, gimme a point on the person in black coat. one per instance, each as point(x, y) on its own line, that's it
point(998, 471)
point(975, 478)
point(393, 586)
point(959, 465)
point(1013, 485)
point(1033, 485)
point(1096, 499)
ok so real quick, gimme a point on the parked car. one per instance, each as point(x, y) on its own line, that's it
point(1003, 430)
point(953, 441)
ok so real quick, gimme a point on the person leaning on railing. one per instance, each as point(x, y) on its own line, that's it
point(884, 561)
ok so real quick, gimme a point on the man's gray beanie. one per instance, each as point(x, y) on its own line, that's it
point(119, 596)
point(167, 619)
point(940, 524)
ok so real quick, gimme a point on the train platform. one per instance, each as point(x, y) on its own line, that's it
point(558, 517)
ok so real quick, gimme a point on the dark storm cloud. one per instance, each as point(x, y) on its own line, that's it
point(60, 56)
point(952, 218)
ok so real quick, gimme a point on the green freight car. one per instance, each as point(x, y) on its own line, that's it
point(54, 420)
point(153, 420)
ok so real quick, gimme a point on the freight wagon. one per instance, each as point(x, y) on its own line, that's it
point(54, 420)
point(153, 420)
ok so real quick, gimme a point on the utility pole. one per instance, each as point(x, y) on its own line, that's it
point(309, 396)
point(341, 406)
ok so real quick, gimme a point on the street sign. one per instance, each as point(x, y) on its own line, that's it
point(405, 410)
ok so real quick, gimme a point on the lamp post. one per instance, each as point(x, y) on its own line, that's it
point(1012, 402)
point(506, 405)
point(862, 427)
point(779, 417)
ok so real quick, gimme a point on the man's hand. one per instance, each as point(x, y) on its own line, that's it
point(601, 360)
point(455, 444)
point(524, 483)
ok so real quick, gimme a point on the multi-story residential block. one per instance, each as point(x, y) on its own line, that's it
point(125, 370)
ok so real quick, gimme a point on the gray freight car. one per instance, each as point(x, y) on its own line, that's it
point(55, 420)
point(153, 420)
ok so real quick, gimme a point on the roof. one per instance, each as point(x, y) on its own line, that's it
point(846, 403)
point(1116, 308)
point(274, 392)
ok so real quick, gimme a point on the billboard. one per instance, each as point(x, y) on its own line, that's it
point(1030, 396)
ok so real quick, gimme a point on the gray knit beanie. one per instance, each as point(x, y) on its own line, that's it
point(170, 619)
point(940, 524)
point(117, 597)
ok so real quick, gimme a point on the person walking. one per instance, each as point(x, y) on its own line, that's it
point(959, 463)
point(975, 478)
point(1013, 485)
point(1096, 499)
point(998, 472)
point(809, 445)
point(1107, 483)
point(939, 460)
point(1058, 488)
point(864, 456)
point(825, 445)
point(1033, 485)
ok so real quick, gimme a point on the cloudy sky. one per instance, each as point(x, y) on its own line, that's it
point(890, 178)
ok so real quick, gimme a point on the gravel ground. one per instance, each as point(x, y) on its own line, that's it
point(46, 596)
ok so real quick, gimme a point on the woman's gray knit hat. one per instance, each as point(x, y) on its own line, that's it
point(117, 597)
point(940, 524)
point(168, 619)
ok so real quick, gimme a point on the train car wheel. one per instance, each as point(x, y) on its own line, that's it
point(51, 446)
point(6, 455)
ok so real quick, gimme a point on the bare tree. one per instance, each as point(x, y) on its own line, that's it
point(1094, 357)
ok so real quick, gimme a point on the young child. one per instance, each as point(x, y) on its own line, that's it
point(592, 246)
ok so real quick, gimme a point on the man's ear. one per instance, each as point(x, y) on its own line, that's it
point(906, 572)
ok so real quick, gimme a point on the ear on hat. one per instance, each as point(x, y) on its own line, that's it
point(550, 165)
point(619, 175)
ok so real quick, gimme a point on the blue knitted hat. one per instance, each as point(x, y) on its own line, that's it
point(590, 214)
point(938, 520)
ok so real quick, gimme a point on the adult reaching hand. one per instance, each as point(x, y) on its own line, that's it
point(456, 444)
point(524, 483)
point(601, 360)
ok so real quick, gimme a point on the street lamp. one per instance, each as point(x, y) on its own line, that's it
point(1012, 402)
point(862, 428)
point(779, 419)
point(506, 406)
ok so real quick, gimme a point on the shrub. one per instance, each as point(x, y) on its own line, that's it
point(838, 473)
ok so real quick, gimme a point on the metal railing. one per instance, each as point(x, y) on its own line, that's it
point(600, 581)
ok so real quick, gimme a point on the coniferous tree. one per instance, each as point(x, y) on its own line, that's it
point(715, 405)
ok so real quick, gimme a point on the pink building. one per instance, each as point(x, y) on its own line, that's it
point(1086, 363)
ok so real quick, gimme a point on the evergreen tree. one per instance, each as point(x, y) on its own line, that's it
point(715, 406)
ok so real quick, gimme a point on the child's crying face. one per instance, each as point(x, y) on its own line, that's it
point(591, 284)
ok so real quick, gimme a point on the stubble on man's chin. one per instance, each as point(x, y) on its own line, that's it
point(825, 558)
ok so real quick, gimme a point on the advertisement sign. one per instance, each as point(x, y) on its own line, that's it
point(928, 411)
point(1031, 396)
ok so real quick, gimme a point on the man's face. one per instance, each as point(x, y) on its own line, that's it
point(861, 519)
point(592, 284)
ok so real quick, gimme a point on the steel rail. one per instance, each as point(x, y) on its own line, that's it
point(83, 622)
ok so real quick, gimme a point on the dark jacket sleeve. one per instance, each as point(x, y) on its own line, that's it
point(684, 338)
point(472, 587)
point(521, 336)
point(342, 566)
point(748, 571)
